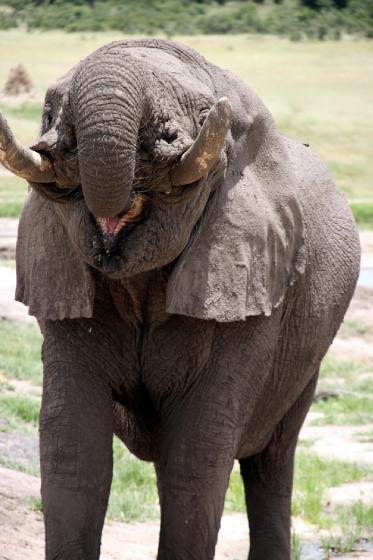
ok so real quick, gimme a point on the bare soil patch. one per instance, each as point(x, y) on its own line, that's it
point(22, 530)
point(19, 449)
point(343, 443)
point(348, 494)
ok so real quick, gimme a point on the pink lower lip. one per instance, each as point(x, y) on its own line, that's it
point(111, 224)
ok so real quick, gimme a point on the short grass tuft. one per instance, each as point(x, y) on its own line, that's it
point(20, 352)
point(353, 403)
point(36, 504)
point(134, 494)
point(296, 549)
point(352, 525)
point(13, 192)
point(363, 214)
point(20, 411)
point(313, 475)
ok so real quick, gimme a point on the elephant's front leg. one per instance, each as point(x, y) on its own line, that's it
point(75, 447)
point(196, 460)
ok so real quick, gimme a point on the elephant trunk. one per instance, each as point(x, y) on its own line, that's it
point(108, 104)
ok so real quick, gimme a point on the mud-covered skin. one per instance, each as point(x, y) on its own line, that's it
point(198, 335)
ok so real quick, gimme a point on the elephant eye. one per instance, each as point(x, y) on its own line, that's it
point(170, 134)
point(202, 116)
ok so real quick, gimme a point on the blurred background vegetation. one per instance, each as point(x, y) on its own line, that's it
point(297, 19)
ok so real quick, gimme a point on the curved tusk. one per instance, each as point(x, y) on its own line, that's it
point(201, 156)
point(23, 161)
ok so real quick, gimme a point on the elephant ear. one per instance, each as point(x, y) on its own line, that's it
point(248, 247)
point(51, 279)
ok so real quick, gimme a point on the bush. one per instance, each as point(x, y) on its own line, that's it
point(314, 19)
point(7, 21)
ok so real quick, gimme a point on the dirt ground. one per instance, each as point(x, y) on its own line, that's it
point(22, 528)
point(22, 532)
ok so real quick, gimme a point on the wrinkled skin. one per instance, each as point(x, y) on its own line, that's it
point(195, 333)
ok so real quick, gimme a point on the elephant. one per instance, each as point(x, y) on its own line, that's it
point(189, 267)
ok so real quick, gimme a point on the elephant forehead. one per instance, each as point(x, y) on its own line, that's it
point(172, 69)
point(62, 85)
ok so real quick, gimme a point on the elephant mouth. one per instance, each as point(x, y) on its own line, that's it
point(105, 236)
point(113, 226)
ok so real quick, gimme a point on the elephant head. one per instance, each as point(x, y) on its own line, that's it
point(148, 156)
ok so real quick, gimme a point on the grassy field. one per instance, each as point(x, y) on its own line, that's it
point(319, 93)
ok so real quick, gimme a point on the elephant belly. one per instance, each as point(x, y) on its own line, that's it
point(140, 432)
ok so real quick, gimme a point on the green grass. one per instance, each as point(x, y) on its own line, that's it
point(20, 352)
point(15, 466)
point(20, 412)
point(295, 546)
point(357, 328)
point(363, 214)
point(28, 111)
point(36, 504)
point(353, 403)
point(352, 524)
point(343, 369)
point(134, 494)
point(313, 476)
point(235, 497)
point(12, 195)
point(346, 409)
point(358, 514)
point(341, 543)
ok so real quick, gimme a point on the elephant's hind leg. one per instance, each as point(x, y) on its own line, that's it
point(268, 479)
point(75, 444)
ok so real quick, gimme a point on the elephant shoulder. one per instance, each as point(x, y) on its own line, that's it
point(324, 206)
point(331, 236)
